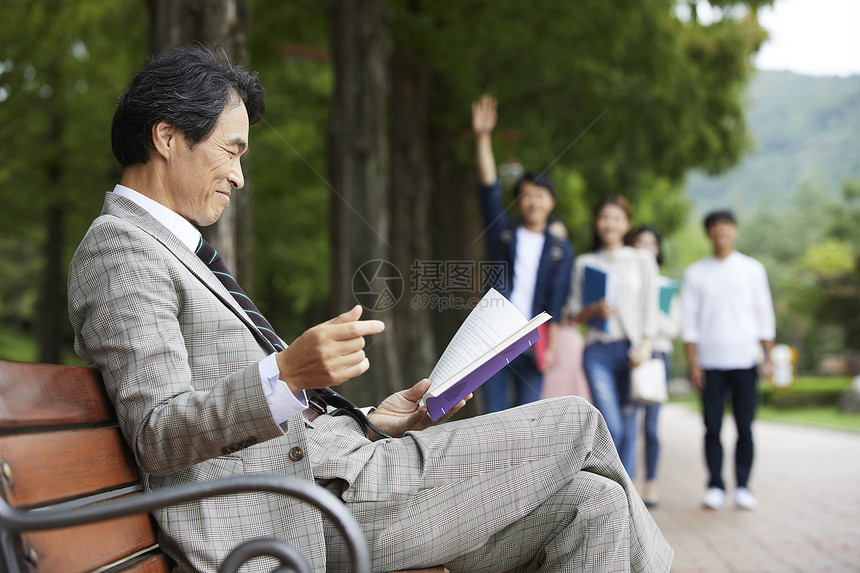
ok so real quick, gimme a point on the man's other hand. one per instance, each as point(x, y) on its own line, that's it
point(400, 412)
point(328, 354)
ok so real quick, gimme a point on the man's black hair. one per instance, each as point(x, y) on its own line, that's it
point(188, 86)
point(715, 217)
point(536, 179)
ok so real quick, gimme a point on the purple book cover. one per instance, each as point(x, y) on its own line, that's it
point(437, 406)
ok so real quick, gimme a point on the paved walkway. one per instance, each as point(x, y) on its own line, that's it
point(807, 482)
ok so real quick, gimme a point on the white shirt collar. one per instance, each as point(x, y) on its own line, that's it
point(175, 223)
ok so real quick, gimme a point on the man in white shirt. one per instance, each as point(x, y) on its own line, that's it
point(728, 312)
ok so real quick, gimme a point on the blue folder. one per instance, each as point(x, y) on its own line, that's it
point(593, 290)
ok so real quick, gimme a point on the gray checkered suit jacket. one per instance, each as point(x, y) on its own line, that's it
point(179, 359)
point(535, 488)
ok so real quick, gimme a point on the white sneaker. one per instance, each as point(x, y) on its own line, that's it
point(744, 498)
point(715, 498)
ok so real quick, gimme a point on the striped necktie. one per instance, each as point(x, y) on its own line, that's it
point(210, 256)
point(320, 397)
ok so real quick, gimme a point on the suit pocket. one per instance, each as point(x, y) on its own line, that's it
point(220, 467)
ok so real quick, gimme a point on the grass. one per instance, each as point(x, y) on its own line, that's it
point(819, 416)
point(810, 401)
point(811, 384)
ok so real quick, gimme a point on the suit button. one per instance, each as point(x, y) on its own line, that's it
point(296, 453)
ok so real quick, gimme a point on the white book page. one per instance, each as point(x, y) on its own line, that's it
point(493, 320)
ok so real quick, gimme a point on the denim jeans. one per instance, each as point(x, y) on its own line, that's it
point(607, 368)
point(652, 412)
point(527, 379)
point(743, 385)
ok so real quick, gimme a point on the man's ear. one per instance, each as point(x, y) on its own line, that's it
point(165, 137)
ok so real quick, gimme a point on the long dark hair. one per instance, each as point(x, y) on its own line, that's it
point(188, 86)
point(616, 200)
point(657, 236)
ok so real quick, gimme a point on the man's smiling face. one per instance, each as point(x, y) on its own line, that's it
point(204, 176)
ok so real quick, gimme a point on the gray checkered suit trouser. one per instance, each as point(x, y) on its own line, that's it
point(534, 488)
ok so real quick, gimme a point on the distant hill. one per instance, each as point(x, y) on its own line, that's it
point(804, 128)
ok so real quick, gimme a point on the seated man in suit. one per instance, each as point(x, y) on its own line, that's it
point(203, 388)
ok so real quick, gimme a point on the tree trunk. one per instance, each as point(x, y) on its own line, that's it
point(456, 233)
point(359, 165)
point(412, 191)
point(52, 311)
point(222, 24)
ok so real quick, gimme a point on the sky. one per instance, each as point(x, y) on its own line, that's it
point(813, 37)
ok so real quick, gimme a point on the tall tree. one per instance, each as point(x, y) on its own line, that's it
point(222, 24)
point(411, 195)
point(359, 168)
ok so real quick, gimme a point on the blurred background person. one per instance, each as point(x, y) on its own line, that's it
point(668, 328)
point(728, 312)
point(537, 263)
point(565, 377)
point(627, 316)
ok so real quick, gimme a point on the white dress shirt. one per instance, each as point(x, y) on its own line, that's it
point(529, 248)
point(728, 311)
point(283, 403)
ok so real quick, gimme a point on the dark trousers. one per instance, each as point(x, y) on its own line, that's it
point(743, 387)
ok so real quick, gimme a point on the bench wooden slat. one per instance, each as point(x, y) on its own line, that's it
point(152, 564)
point(47, 394)
point(87, 547)
point(55, 466)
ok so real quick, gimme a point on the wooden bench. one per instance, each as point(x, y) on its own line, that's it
point(65, 469)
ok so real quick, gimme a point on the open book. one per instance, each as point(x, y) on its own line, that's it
point(493, 334)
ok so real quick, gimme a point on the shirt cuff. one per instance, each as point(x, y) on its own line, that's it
point(283, 403)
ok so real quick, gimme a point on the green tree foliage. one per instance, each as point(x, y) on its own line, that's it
point(290, 50)
point(811, 248)
point(627, 95)
point(829, 259)
point(62, 65)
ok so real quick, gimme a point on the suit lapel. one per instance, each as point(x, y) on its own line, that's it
point(130, 211)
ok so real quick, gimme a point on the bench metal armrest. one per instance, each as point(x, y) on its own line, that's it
point(14, 521)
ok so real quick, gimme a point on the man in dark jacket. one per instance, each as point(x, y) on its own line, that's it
point(537, 263)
